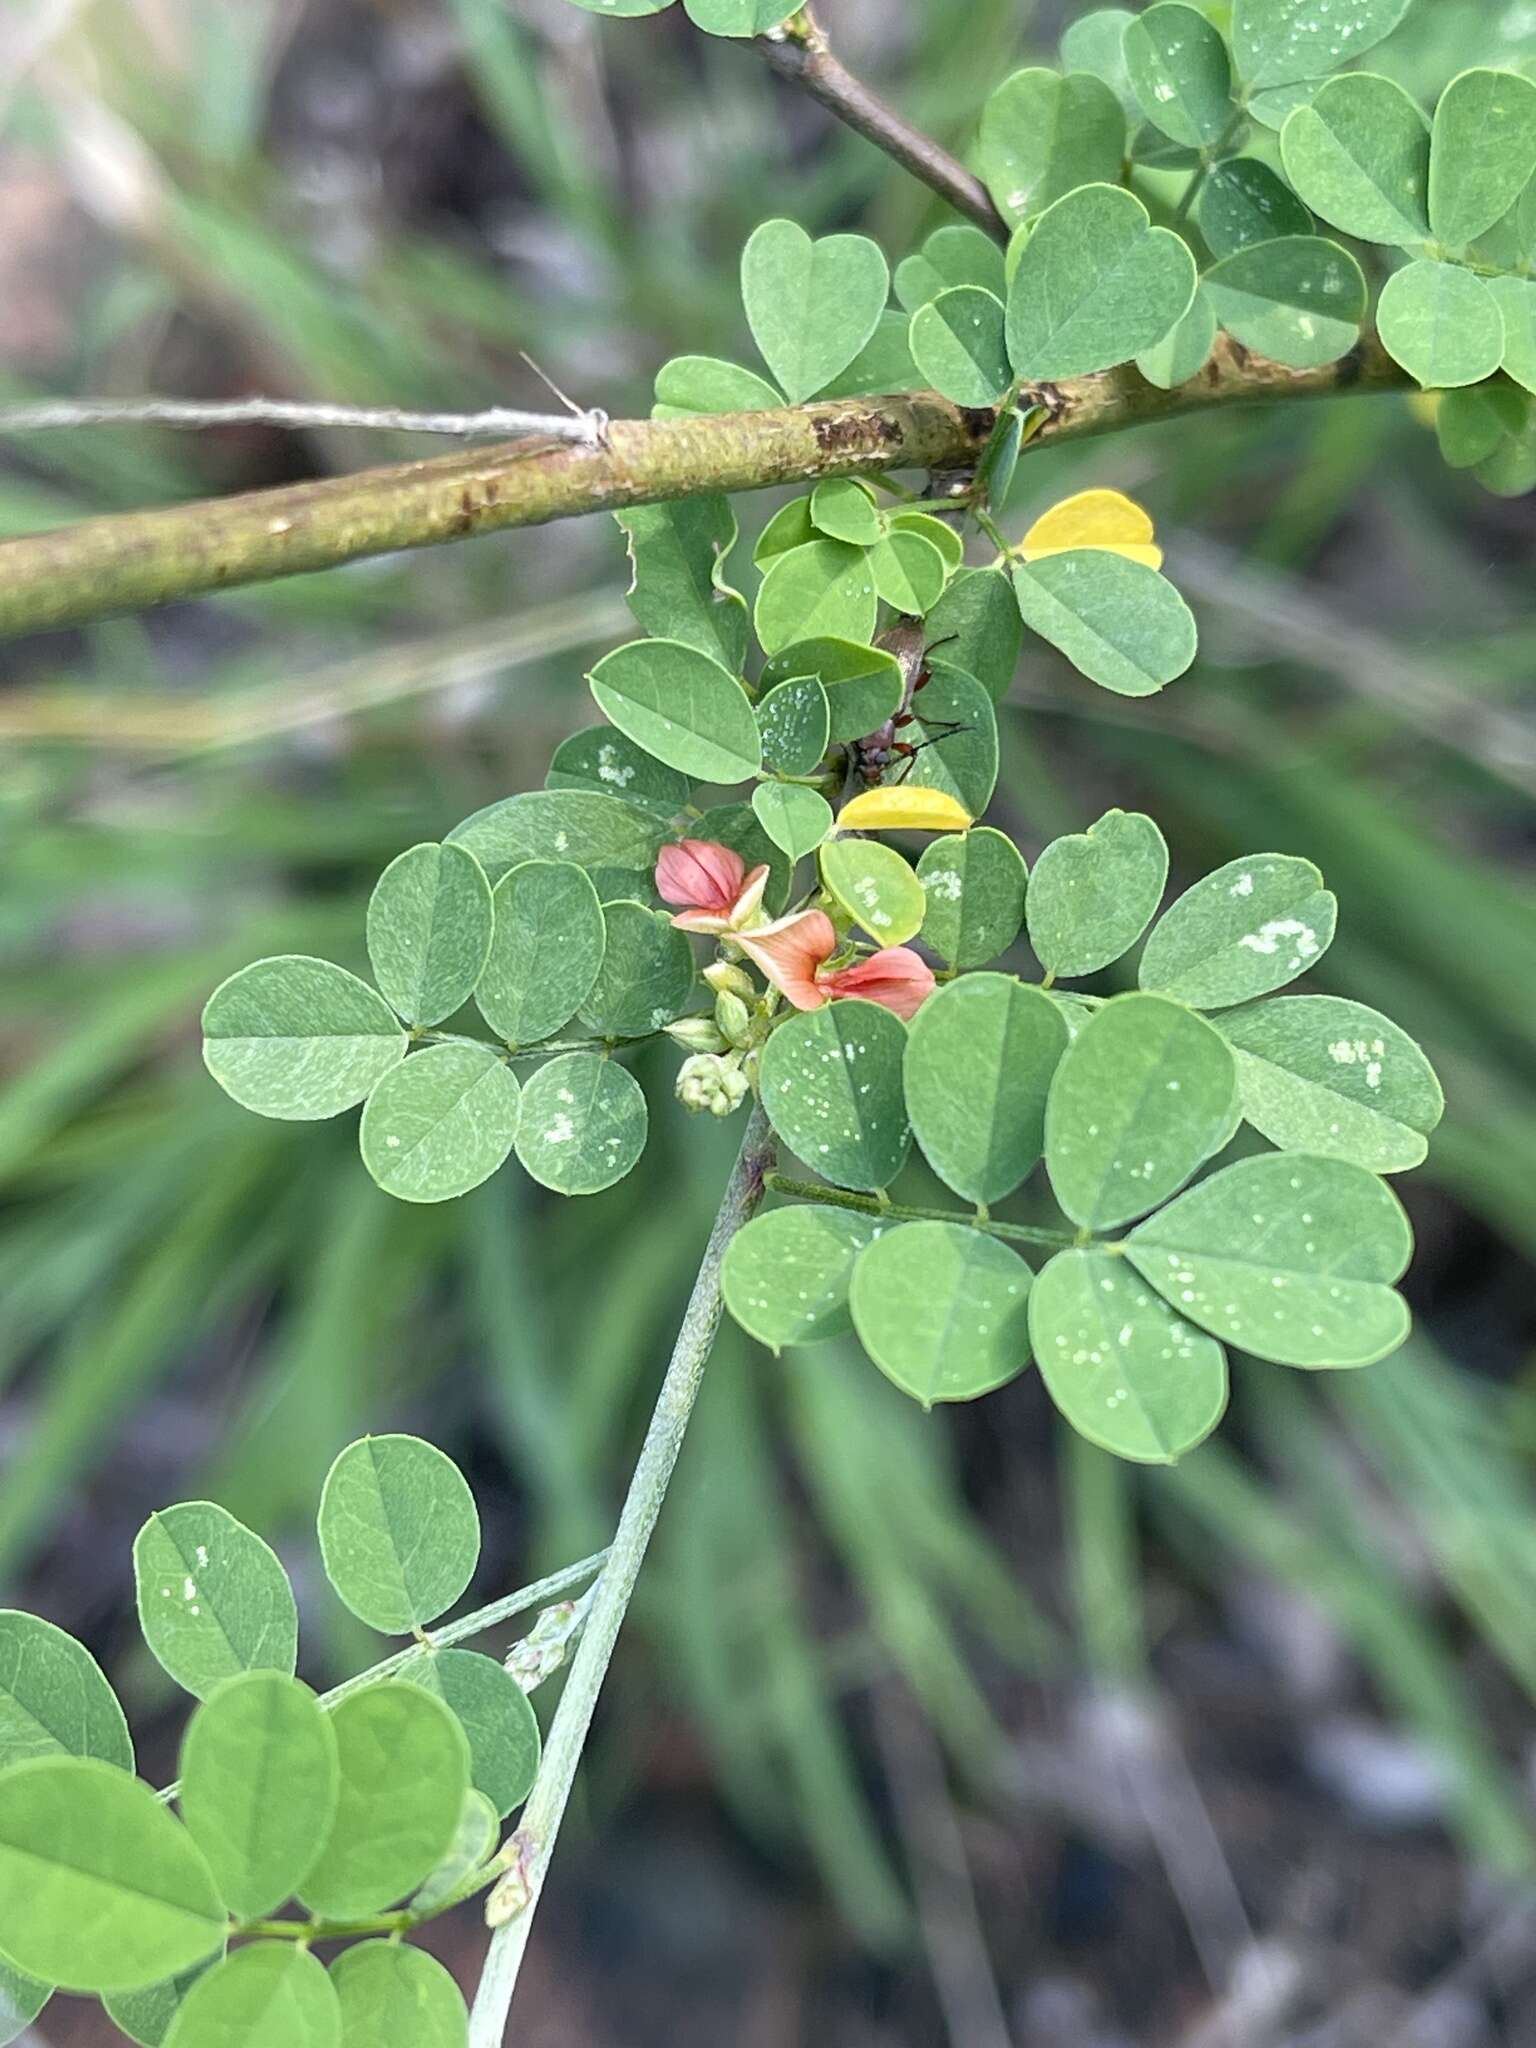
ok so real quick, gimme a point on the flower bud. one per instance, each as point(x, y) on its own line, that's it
point(733, 1018)
point(723, 976)
point(696, 1034)
point(707, 1082)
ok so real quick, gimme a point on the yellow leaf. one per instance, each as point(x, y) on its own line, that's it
point(1425, 406)
point(904, 807)
point(1094, 519)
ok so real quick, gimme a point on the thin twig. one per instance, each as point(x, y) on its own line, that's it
point(125, 563)
point(894, 1212)
point(513, 1903)
point(498, 422)
point(803, 58)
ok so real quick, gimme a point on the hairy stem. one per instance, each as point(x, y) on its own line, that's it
point(801, 55)
point(515, 1900)
point(893, 1212)
point(136, 559)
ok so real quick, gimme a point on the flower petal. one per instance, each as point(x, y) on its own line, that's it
point(701, 921)
point(700, 874)
point(897, 978)
point(789, 953)
point(750, 900)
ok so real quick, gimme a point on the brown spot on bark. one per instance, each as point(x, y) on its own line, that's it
point(979, 420)
point(846, 433)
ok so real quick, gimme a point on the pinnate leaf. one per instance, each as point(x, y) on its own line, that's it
point(831, 1084)
point(1249, 927)
point(1288, 1257)
point(429, 926)
point(942, 1310)
point(399, 1534)
point(101, 1889)
point(297, 1038)
point(259, 1782)
point(1142, 1097)
point(213, 1598)
point(583, 1124)
point(1126, 1373)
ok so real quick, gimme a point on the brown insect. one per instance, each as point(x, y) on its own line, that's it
point(871, 758)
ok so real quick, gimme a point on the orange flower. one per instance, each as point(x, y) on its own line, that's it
point(793, 954)
point(711, 884)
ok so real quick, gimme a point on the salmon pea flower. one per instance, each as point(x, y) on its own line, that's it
point(793, 954)
point(710, 885)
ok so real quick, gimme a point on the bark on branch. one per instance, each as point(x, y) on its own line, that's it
point(134, 560)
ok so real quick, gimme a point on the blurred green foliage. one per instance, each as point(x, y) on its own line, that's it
point(349, 203)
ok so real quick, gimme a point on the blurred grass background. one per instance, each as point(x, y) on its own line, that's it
point(939, 1730)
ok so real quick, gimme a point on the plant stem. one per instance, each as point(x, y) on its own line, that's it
point(126, 562)
point(802, 56)
point(515, 1901)
point(496, 423)
point(893, 1212)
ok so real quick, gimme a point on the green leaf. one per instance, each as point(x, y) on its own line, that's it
point(1322, 1075)
point(844, 510)
point(561, 824)
point(1125, 1373)
point(146, 2016)
point(955, 726)
point(1096, 285)
point(1150, 149)
point(1277, 42)
point(821, 590)
point(795, 819)
point(493, 1711)
point(1243, 202)
point(943, 1310)
point(875, 887)
point(811, 305)
point(1274, 106)
point(957, 344)
point(790, 527)
point(297, 1038)
point(1250, 927)
point(1142, 1097)
point(980, 1056)
point(1118, 622)
point(54, 1697)
point(950, 256)
point(474, 1839)
point(213, 1598)
point(688, 385)
point(974, 883)
point(1474, 423)
point(392, 1994)
point(1043, 135)
point(647, 977)
point(1288, 1257)
point(1299, 300)
point(273, 1994)
point(1516, 301)
point(785, 1277)
point(583, 1124)
point(864, 684)
point(794, 726)
point(1442, 324)
point(883, 364)
point(429, 928)
point(978, 620)
point(949, 543)
point(259, 1780)
point(909, 572)
point(681, 706)
point(404, 1773)
point(546, 951)
point(1094, 893)
point(1483, 153)
point(1000, 457)
point(100, 1888)
point(1358, 154)
point(440, 1124)
point(1510, 472)
point(608, 764)
point(1180, 73)
point(22, 1998)
point(737, 17)
point(399, 1535)
point(1096, 42)
point(678, 591)
point(1184, 350)
point(831, 1084)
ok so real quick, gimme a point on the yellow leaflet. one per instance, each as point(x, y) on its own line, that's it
point(904, 808)
point(1094, 519)
point(1425, 406)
